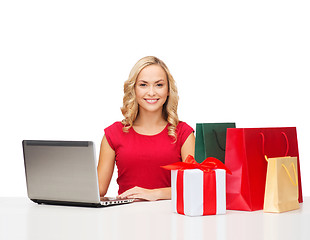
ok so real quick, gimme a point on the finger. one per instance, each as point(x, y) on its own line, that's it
point(129, 192)
point(135, 196)
point(124, 194)
point(139, 195)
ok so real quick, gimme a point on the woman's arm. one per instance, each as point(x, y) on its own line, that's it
point(160, 193)
point(188, 147)
point(147, 194)
point(105, 166)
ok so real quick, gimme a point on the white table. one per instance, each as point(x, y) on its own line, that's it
point(22, 219)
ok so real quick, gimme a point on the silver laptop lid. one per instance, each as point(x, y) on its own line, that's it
point(61, 171)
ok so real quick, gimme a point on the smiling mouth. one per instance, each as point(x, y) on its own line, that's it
point(152, 101)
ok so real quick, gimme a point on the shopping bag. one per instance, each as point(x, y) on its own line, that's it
point(245, 157)
point(281, 190)
point(211, 140)
point(198, 189)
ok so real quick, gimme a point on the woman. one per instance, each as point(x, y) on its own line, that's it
point(149, 136)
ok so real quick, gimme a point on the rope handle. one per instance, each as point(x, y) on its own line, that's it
point(263, 145)
point(217, 141)
point(289, 175)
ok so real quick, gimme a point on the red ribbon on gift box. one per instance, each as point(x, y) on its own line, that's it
point(207, 165)
point(209, 193)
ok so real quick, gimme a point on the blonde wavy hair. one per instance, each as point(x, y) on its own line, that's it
point(130, 108)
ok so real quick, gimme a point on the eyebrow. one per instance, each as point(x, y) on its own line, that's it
point(141, 80)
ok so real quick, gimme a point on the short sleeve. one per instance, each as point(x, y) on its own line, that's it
point(183, 131)
point(112, 134)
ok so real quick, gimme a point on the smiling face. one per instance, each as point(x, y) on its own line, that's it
point(151, 88)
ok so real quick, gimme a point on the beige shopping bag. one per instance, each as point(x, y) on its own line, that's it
point(281, 189)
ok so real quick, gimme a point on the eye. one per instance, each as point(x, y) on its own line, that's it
point(142, 84)
point(160, 85)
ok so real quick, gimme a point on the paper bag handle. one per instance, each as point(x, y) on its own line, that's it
point(263, 145)
point(217, 141)
point(289, 175)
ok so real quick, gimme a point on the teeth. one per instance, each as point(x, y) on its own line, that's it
point(151, 100)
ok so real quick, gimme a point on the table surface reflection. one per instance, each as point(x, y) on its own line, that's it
point(22, 219)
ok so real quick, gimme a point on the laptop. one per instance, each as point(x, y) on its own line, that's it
point(63, 173)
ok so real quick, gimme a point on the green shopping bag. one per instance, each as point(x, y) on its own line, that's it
point(211, 140)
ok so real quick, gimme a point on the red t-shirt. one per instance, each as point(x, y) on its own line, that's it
point(139, 157)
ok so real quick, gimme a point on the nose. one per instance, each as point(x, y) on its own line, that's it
point(151, 91)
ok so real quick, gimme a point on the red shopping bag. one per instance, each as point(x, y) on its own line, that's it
point(246, 151)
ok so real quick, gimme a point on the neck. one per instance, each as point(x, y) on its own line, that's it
point(149, 119)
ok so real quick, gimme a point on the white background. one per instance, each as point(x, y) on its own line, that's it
point(63, 65)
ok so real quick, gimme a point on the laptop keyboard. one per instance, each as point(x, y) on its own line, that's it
point(110, 201)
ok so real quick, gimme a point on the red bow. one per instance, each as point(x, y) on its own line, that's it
point(207, 165)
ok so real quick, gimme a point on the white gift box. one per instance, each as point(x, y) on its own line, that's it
point(193, 192)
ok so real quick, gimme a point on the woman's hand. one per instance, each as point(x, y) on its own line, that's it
point(147, 194)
